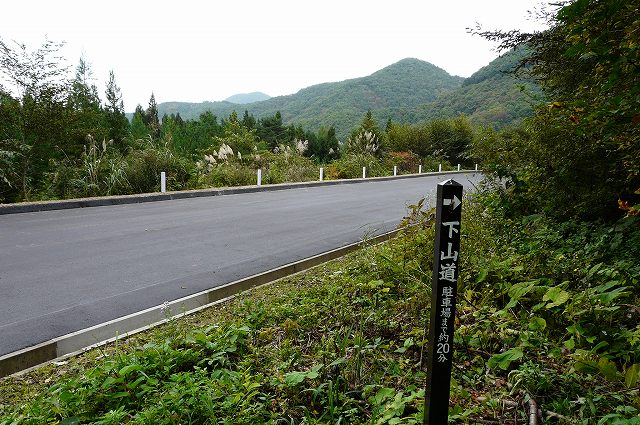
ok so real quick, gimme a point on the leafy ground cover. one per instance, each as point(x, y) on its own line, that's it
point(546, 311)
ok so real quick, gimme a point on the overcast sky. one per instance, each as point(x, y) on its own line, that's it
point(209, 50)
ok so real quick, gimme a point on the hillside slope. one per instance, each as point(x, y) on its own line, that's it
point(493, 96)
point(405, 84)
point(408, 91)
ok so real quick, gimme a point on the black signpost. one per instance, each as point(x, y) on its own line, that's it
point(443, 302)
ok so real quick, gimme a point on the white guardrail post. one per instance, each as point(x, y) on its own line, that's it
point(259, 176)
point(439, 168)
point(321, 174)
point(395, 170)
point(420, 169)
point(163, 182)
point(364, 172)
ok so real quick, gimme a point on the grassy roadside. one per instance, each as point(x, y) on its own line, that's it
point(546, 311)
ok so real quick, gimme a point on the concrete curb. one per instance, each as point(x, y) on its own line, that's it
point(80, 341)
point(25, 207)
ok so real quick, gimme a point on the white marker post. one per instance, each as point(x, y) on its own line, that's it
point(259, 176)
point(439, 168)
point(321, 174)
point(395, 170)
point(364, 172)
point(420, 169)
point(458, 167)
point(163, 182)
point(476, 167)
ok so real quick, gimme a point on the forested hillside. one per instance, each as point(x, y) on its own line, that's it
point(409, 91)
point(405, 84)
point(494, 96)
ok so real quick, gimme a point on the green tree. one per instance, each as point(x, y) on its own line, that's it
point(581, 152)
point(191, 137)
point(451, 139)
point(11, 148)
point(366, 138)
point(117, 122)
point(323, 146)
point(249, 121)
point(139, 129)
point(151, 117)
point(84, 93)
point(447, 139)
point(272, 131)
point(369, 124)
point(35, 89)
point(87, 117)
point(414, 138)
point(236, 136)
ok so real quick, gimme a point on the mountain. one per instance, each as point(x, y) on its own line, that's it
point(408, 91)
point(244, 98)
point(405, 84)
point(491, 96)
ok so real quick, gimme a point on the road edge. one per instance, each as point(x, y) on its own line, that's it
point(22, 361)
point(27, 207)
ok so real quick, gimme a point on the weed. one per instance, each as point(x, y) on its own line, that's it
point(545, 311)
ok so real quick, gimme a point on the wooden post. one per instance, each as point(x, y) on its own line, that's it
point(443, 302)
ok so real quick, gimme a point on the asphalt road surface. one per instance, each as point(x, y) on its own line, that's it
point(66, 270)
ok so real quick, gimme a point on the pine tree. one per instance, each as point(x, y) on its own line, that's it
point(367, 138)
point(139, 129)
point(271, 130)
point(151, 118)
point(86, 110)
point(248, 121)
point(84, 93)
point(115, 115)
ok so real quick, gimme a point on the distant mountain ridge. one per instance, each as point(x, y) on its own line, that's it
point(410, 91)
point(244, 98)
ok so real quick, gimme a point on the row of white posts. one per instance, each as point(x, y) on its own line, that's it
point(163, 175)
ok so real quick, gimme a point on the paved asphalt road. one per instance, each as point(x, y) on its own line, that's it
point(65, 270)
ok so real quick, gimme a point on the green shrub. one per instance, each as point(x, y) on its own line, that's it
point(143, 168)
point(289, 167)
point(349, 166)
point(228, 175)
point(431, 163)
point(406, 162)
point(101, 170)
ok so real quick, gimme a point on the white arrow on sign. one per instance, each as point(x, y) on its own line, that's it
point(455, 202)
